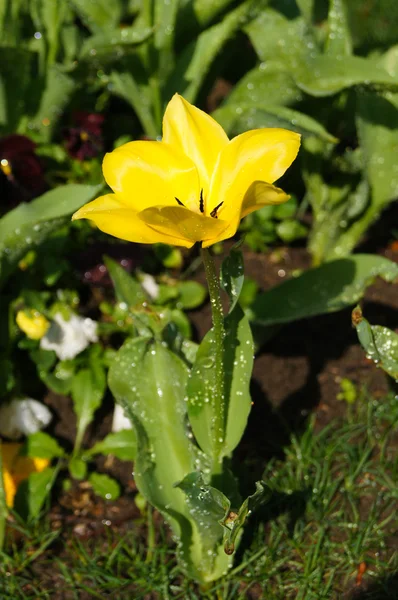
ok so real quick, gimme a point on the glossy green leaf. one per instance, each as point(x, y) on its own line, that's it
point(238, 362)
point(108, 41)
point(32, 493)
point(128, 290)
point(99, 14)
point(232, 276)
point(338, 42)
point(29, 224)
point(88, 388)
point(122, 444)
point(237, 118)
point(104, 486)
point(191, 294)
point(149, 381)
point(328, 288)
point(380, 343)
point(42, 445)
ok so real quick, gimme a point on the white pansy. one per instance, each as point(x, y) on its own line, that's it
point(23, 417)
point(149, 285)
point(120, 421)
point(69, 338)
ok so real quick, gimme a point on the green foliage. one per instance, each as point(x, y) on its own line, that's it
point(104, 486)
point(122, 444)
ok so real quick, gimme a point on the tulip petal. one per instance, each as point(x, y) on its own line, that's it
point(10, 488)
point(179, 222)
point(196, 134)
point(258, 155)
point(261, 194)
point(114, 217)
point(145, 174)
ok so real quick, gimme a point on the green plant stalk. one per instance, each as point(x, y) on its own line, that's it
point(219, 335)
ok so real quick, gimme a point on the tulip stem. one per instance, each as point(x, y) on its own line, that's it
point(219, 335)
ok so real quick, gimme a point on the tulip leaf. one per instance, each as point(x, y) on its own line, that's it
point(149, 381)
point(380, 343)
point(237, 118)
point(104, 486)
point(33, 491)
point(232, 276)
point(238, 362)
point(42, 445)
point(328, 288)
point(88, 388)
point(29, 224)
point(107, 41)
point(122, 444)
point(128, 290)
point(99, 15)
point(338, 42)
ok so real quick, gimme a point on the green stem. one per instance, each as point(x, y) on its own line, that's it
point(219, 335)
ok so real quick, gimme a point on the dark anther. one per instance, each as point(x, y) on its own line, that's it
point(214, 211)
point(179, 202)
point(201, 202)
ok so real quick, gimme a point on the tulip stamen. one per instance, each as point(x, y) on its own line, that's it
point(179, 202)
point(201, 202)
point(214, 211)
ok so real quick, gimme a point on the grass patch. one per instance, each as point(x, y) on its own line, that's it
point(329, 531)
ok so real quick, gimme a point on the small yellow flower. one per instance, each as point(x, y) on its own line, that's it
point(32, 323)
point(193, 186)
point(17, 468)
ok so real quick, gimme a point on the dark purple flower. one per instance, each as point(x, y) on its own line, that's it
point(84, 139)
point(21, 173)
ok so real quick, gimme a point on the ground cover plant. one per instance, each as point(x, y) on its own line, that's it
point(125, 381)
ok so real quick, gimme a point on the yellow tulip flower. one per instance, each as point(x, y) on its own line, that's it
point(193, 186)
point(16, 468)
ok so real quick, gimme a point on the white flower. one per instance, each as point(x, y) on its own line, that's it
point(120, 421)
point(23, 417)
point(149, 285)
point(69, 338)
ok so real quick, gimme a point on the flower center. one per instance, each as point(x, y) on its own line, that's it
point(202, 205)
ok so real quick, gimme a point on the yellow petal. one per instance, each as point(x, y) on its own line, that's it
point(261, 194)
point(114, 217)
point(195, 133)
point(9, 453)
point(145, 174)
point(10, 488)
point(181, 222)
point(258, 155)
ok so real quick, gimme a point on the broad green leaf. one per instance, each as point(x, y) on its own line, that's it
point(77, 468)
point(29, 224)
point(324, 75)
point(235, 521)
point(338, 42)
point(33, 491)
point(108, 41)
point(122, 444)
point(165, 14)
point(128, 290)
point(377, 123)
point(57, 93)
point(99, 14)
point(237, 118)
point(149, 381)
point(380, 343)
point(194, 62)
point(267, 83)
point(191, 294)
point(204, 11)
point(88, 388)
point(104, 486)
point(238, 361)
point(232, 276)
point(42, 445)
point(328, 288)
